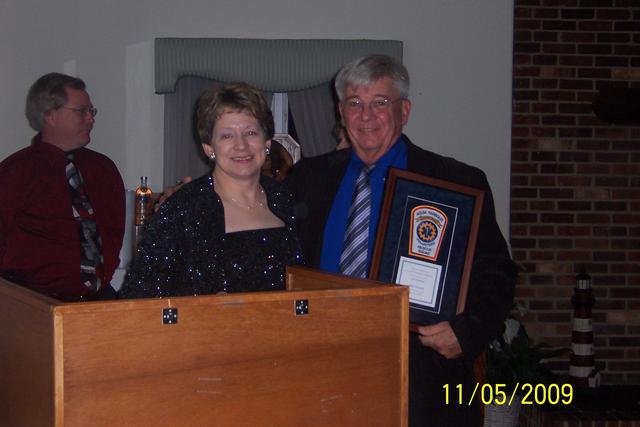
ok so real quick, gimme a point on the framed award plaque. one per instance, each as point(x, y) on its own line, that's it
point(426, 240)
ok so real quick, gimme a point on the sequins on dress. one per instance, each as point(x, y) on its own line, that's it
point(185, 250)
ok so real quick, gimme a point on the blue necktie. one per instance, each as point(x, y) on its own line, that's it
point(353, 261)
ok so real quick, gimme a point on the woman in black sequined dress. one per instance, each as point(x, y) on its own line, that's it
point(230, 231)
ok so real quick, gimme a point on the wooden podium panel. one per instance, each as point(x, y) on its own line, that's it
point(230, 360)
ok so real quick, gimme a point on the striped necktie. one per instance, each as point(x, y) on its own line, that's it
point(91, 259)
point(353, 261)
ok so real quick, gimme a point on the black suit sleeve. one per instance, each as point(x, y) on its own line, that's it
point(491, 285)
point(314, 183)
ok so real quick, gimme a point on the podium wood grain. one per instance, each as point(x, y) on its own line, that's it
point(230, 360)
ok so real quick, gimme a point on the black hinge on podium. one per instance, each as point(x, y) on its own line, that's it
point(302, 307)
point(169, 316)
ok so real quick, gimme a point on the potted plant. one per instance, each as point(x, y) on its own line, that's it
point(513, 360)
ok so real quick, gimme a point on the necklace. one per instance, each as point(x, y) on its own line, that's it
point(248, 207)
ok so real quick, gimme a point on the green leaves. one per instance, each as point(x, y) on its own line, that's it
point(515, 359)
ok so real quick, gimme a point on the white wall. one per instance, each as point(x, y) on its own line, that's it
point(458, 53)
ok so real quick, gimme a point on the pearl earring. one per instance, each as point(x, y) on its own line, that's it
point(212, 156)
point(267, 150)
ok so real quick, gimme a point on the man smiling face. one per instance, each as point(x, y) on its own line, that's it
point(374, 116)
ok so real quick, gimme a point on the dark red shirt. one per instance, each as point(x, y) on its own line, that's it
point(39, 242)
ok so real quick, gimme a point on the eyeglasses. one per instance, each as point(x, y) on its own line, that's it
point(84, 110)
point(356, 105)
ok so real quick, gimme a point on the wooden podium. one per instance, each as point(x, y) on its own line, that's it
point(329, 351)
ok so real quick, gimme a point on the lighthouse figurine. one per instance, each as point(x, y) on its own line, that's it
point(582, 369)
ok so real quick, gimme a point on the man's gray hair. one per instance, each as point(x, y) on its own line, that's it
point(367, 70)
point(48, 93)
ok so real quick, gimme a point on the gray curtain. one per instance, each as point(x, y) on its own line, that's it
point(182, 152)
point(185, 67)
point(313, 112)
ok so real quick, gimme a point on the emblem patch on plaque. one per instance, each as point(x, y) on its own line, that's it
point(428, 225)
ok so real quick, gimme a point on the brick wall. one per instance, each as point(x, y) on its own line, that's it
point(576, 180)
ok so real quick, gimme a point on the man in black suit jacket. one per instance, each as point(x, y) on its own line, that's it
point(374, 107)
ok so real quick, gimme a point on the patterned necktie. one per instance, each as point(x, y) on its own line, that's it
point(91, 255)
point(353, 261)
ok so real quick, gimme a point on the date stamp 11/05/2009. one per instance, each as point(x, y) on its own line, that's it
point(501, 394)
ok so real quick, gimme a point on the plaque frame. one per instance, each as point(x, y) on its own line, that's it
point(424, 222)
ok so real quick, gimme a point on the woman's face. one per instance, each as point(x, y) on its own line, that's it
point(239, 144)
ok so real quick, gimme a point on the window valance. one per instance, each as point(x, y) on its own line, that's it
point(273, 65)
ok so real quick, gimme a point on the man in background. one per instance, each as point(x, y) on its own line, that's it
point(339, 133)
point(62, 206)
point(374, 106)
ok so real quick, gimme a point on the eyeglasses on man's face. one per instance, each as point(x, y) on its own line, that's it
point(379, 104)
point(84, 110)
